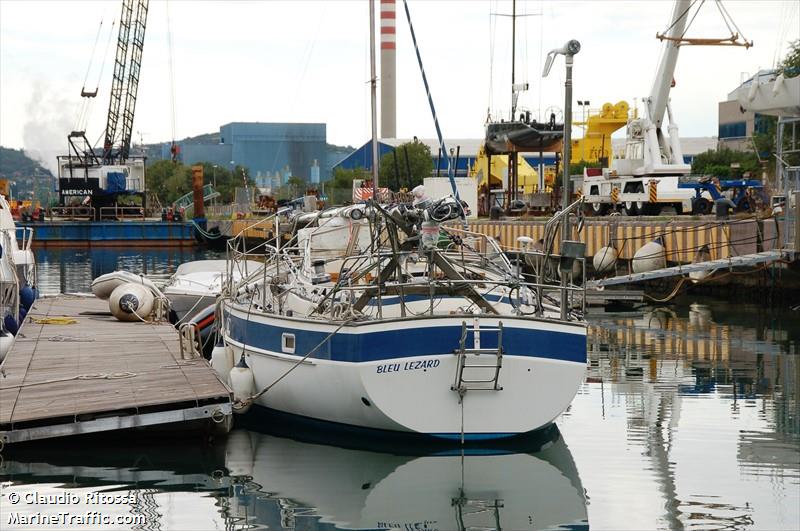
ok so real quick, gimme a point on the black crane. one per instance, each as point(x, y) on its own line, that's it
point(100, 178)
point(125, 83)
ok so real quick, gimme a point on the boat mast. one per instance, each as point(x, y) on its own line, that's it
point(513, 57)
point(373, 81)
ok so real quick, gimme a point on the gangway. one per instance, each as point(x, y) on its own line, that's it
point(764, 257)
point(186, 201)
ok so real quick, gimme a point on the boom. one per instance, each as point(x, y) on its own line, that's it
point(659, 94)
point(125, 84)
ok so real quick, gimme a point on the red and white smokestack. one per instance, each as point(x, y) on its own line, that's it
point(388, 67)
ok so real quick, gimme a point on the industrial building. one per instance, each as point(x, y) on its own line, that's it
point(272, 152)
point(466, 148)
point(737, 126)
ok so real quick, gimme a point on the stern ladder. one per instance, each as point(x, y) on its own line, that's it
point(471, 373)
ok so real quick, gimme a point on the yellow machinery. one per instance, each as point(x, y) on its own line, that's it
point(598, 127)
point(527, 175)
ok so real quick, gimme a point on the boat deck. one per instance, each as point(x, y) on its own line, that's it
point(76, 369)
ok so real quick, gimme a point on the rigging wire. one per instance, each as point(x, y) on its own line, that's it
point(307, 55)
point(170, 62)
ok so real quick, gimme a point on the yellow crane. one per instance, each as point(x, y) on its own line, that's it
point(595, 146)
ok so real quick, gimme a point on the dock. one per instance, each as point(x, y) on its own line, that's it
point(75, 369)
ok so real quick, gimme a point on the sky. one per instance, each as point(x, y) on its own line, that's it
point(208, 63)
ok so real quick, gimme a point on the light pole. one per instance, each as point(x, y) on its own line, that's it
point(568, 51)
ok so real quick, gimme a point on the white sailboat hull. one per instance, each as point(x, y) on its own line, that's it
point(362, 378)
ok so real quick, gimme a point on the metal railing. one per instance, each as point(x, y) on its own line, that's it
point(24, 238)
point(358, 272)
point(71, 212)
point(122, 212)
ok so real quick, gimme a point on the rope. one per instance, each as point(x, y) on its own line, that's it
point(54, 320)
point(242, 403)
point(59, 339)
point(94, 376)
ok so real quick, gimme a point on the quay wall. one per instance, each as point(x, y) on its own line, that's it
point(681, 237)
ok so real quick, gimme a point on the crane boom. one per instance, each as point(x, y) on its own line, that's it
point(125, 83)
point(659, 94)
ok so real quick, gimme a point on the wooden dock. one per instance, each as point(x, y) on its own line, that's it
point(75, 369)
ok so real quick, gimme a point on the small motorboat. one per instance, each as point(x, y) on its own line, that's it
point(196, 285)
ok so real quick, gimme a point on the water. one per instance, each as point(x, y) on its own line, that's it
point(688, 419)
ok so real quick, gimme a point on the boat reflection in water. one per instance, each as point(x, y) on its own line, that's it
point(360, 489)
point(258, 481)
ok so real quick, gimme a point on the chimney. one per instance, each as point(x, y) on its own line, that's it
point(388, 67)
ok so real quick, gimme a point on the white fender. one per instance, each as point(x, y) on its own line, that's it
point(131, 302)
point(649, 257)
point(222, 362)
point(605, 259)
point(242, 383)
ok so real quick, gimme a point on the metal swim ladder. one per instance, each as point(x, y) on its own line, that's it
point(473, 381)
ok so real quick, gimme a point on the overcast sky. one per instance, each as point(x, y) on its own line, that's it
point(304, 61)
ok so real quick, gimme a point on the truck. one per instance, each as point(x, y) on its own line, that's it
point(647, 176)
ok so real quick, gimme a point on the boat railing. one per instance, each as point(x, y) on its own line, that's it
point(24, 238)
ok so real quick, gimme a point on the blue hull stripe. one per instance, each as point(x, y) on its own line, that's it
point(409, 342)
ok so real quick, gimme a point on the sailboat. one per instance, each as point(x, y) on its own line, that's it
point(521, 133)
point(387, 319)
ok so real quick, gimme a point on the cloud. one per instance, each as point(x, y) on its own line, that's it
point(49, 119)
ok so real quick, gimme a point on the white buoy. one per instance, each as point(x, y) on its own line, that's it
point(222, 361)
point(650, 256)
point(242, 383)
point(703, 255)
point(131, 302)
point(239, 454)
point(605, 259)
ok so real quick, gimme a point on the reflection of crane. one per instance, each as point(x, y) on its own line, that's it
point(125, 83)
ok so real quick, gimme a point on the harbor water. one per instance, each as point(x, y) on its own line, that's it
point(688, 419)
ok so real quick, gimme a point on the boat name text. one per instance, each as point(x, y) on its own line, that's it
point(407, 366)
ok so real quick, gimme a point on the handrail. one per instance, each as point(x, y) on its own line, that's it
point(122, 212)
point(71, 212)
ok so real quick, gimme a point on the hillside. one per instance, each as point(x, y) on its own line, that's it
point(14, 164)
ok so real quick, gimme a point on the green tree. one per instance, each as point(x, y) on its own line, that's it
point(718, 163)
point(420, 163)
point(170, 180)
point(340, 187)
point(790, 64)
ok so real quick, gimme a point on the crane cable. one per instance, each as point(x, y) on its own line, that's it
point(173, 147)
point(100, 75)
point(85, 102)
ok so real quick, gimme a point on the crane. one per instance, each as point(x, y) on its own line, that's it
point(647, 176)
point(99, 179)
point(125, 83)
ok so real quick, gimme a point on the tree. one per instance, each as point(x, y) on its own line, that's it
point(170, 180)
point(790, 64)
point(718, 163)
point(420, 163)
point(340, 188)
